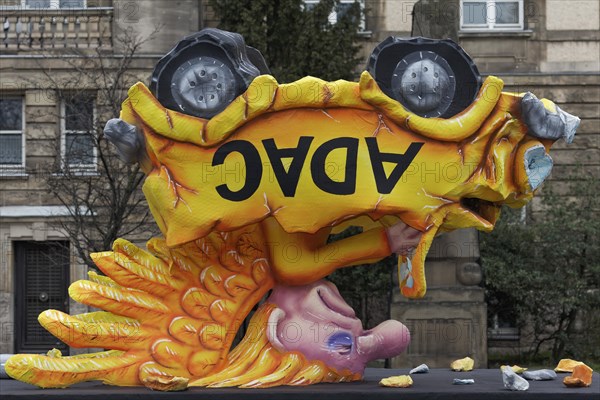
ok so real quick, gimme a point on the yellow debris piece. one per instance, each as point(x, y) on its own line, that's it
point(567, 365)
point(518, 370)
point(401, 381)
point(464, 364)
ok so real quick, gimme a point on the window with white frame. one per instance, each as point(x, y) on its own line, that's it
point(78, 142)
point(492, 15)
point(340, 10)
point(42, 4)
point(12, 140)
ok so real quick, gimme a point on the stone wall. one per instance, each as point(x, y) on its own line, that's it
point(173, 20)
point(25, 203)
point(559, 36)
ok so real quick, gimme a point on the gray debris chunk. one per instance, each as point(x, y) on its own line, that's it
point(127, 139)
point(544, 124)
point(513, 381)
point(421, 369)
point(540, 375)
point(463, 381)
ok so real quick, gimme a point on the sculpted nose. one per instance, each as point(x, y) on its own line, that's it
point(387, 339)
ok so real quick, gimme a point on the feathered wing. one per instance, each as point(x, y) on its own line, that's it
point(169, 314)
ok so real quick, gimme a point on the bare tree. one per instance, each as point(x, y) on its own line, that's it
point(101, 193)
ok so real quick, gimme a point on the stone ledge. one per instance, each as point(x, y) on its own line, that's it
point(495, 33)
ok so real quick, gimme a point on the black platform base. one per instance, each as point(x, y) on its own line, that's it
point(435, 385)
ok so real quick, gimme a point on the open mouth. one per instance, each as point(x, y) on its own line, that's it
point(486, 211)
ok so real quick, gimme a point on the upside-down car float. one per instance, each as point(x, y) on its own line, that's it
point(247, 178)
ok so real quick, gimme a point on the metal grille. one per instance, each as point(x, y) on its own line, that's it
point(42, 276)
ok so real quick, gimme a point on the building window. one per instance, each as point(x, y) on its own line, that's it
point(12, 145)
point(78, 138)
point(341, 9)
point(492, 15)
point(39, 4)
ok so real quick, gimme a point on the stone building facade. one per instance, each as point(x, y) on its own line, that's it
point(549, 47)
point(36, 261)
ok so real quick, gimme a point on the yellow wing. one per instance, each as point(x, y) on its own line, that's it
point(169, 315)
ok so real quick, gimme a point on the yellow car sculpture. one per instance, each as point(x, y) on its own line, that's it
point(247, 178)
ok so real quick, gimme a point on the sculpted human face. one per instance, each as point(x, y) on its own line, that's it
point(316, 321)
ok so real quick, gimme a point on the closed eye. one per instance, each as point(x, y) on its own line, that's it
point(342, 348)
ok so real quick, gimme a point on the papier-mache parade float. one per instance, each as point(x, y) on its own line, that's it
point(247, 178)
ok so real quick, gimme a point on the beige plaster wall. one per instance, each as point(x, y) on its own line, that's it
point(572, 14)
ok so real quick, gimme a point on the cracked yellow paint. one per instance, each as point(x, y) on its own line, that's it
point(472, 155)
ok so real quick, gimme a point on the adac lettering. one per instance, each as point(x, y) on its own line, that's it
point(288, 180)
